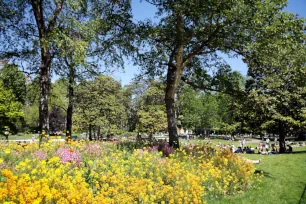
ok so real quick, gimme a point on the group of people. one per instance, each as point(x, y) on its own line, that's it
point(246, 150)
point(264, 147)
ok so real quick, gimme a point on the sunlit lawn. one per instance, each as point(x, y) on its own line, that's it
point(253, 143)
point(284, 180)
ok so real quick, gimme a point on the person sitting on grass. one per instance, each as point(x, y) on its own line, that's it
point(249, 150)
point(267, 147)
point(273, 150)
point(289, 150)
point(239, 150)
point(262, 150)
point(233, 148)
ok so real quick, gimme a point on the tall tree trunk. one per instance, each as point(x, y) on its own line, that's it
point(70, 102)
point(282, 135)
point(44, 78)
point(44, 81)
point(94, 133)
point(99, 133)
point(173, 136)
point(90, 132)
point(173, 78)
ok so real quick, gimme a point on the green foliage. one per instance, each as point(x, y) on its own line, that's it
point(100, 103)
point(31, 115)
point(11, 114)
point(201, 29)
point(151, 115)
point(276, 90)
point(210, 111)
point(151, 120)
point(58, 96)
point(30, 109)
point(15, 80)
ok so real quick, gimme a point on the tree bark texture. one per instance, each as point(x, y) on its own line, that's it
point(282, 136)
point(90, 132)
point(173, 78)
point(70, 103)
point(99, 133)
point(44, 30)
point(44, 81)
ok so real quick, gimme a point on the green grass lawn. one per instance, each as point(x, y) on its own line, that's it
point(284, 180)
point(214, 142)
point(17, 137)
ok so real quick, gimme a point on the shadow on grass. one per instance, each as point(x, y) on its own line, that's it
point(266, 174)
point(297, 152)
point(303, 197)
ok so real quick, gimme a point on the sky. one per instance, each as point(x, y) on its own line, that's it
point(143, 10)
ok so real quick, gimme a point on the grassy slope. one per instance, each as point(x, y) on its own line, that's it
point(284, 181)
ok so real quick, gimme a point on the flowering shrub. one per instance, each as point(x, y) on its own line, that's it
point(68, 155)
point(121, 176)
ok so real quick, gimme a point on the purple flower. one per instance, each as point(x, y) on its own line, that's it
point(68, 155)
point(167, 150)
point(39, 154)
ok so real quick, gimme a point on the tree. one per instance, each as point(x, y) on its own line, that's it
point(58, 105)
point(190, 108)
point(15, 80)
point(94, 46)
point(208, 111)
point(30, 108)
point(135, 92)
point(35, 33)
point(11, 114)
point(99, 105)
point(189, 35)
point(57, 120)
point(276, 88)
point(29, 37)
point(151, 114)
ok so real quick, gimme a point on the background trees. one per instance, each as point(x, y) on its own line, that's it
point(15, 80)
point(276, 90)
point(11, 114)
point(36, 33)
point(99, 106)
point(151, 116)
point(189, 34)
point(75, 39)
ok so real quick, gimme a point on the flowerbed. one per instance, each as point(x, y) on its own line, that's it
point(102, 173)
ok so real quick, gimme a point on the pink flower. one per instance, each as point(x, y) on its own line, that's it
point(39, 154)
point(68, 155)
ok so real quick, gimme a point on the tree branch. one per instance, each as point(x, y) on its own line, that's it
point(53, 104)
point(198, 51)
point(196, 86)
point(39, 17)
point(171, 58)
point(55, 15)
